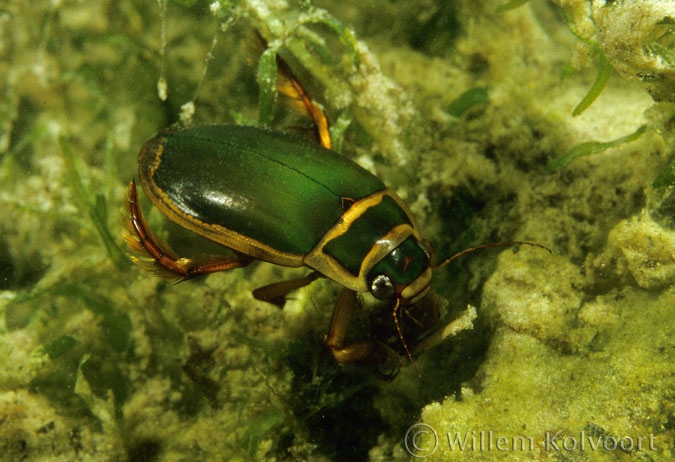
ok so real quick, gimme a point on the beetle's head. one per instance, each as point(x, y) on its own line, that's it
point(404, 274)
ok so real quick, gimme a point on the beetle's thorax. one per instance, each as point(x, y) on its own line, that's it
point(365, 236)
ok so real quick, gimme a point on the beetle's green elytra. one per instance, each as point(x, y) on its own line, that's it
point(268, 196)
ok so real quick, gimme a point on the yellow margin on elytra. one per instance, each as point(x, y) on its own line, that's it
point(330, 267)
point(238, 242)
point(315, 258)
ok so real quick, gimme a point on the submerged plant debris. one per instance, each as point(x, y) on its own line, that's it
point(571, 356)
point(590, 148)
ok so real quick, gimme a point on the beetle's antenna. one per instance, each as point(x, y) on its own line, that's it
point(400, 335)
point(487, 246)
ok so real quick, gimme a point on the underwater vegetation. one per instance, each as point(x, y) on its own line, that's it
point(543, 121)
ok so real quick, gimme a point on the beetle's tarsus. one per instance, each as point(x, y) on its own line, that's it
point(384, 362)
point(377, 356)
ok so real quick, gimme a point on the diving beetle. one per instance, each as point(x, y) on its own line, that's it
point(268, 196)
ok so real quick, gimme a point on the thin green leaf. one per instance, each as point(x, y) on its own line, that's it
point(666, 177)
point(314, 42)
point(74, 176)
point(260, 426)
point(116, 325)
point(511, 4)
point(467, 100)
point(97, 211)
point(662, 51)
point(604, 71)
point(337, 129)
point(29, 138)
point(60, 346)
point(267, 79)
point(347, 38)
point(590, 148)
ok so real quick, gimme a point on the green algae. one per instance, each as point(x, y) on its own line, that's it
point(104, 362)
point(95, 206)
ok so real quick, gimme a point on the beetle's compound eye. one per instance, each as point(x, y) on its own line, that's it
point(382, 287)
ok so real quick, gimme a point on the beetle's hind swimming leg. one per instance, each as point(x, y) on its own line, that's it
point(288, 86)
point(161, 258)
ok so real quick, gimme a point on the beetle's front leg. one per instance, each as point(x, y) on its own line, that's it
point(369, 352)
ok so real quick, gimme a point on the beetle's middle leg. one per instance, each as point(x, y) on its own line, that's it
point(143, 241)
point(276, 293)
point(370, 352)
